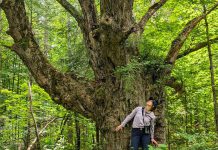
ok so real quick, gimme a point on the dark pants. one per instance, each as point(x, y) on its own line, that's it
point(138, 137)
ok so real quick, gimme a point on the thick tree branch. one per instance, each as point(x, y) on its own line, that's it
point(117, 14)
point(155, 7)
point(180, 39)
point(88, 20)
point(63, 89)
point(196, 47)
point(89, 13)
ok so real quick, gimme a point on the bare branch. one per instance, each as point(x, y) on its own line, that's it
point(180, 39)
point(196, 48)
point(139, 27)
point(155, 7)
point(64, 90)
point(40, 132)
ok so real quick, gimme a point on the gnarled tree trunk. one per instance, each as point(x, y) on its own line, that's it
point(105, 99)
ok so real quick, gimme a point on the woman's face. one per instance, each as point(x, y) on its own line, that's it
point(148, 105)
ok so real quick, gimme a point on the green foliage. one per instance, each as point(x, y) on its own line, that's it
point(147, 64)
point(160, 147)
point(128, 73)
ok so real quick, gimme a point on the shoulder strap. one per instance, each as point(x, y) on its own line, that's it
point(142, 109)
point(143, 114)
point(147, 115)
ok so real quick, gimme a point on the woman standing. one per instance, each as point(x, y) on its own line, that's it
point(143, 125)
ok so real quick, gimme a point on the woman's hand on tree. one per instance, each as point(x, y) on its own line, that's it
point(120, 127)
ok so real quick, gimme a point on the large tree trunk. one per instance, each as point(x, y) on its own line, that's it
point(121, 140)
point(118, 103)
point(105, 100)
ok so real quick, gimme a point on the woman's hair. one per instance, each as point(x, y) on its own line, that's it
point(154, 103)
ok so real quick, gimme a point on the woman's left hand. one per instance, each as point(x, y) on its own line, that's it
point(154, 142)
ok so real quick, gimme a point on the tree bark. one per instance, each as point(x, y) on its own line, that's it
point(105, 100)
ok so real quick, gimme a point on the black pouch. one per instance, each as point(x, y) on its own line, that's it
point(147, 129)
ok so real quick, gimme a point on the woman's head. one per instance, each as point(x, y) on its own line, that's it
point(151, 104)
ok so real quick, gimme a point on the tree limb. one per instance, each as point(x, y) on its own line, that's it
point(63, 89)
point(141, 24)
point(180, 39)
point(89, 13)
point(155, 7)
point(196, 48)
point(72, 10)
point(87, 21)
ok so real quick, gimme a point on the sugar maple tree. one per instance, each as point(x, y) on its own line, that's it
point(104, 99)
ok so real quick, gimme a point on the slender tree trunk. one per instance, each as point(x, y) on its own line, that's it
point(37, 146)
point(14, 73)
point(97, 135)
point(77, 129)
point(186, 112)
point(196, 115)
point(70, 131)
point(168, 123)
point(70, 120)
point(27, 135)
point(62, 127)
point(18, 79)
point(1, 61)
point(212, 73)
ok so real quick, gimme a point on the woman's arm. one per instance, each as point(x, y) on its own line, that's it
point(129, 117)
point(152, 127)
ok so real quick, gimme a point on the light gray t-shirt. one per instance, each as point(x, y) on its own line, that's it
point(138, 119)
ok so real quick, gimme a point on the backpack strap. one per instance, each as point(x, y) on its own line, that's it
point(143, 114)
point(147, 115)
